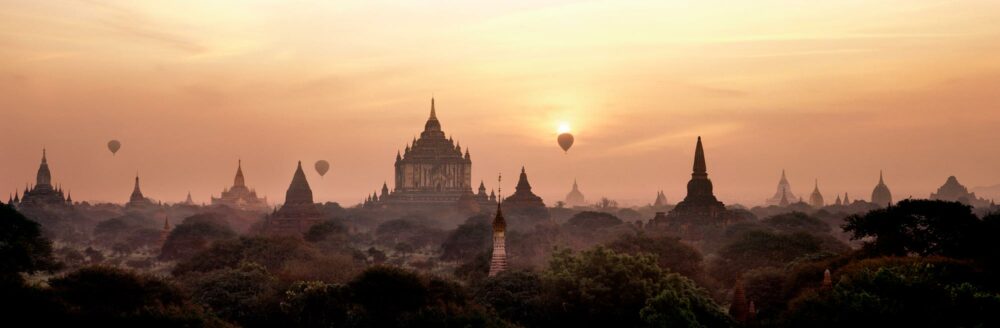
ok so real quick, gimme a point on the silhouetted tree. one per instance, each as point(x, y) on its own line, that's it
point(919, 227)
point(670, 253)
point(22, 248)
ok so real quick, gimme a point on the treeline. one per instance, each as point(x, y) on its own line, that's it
point(919, 263)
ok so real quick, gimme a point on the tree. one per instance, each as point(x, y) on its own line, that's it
point(236, 294)
point(601, 288)
point(103, 295)
point(469, 239)
point(326, 229)
point(670, 253)
point(757, 249)
point(900, 292)
point(796, 222)
point(514, 295)
point(387, 292)
point(593, 220)
point(272, 253)
point(197, 233)
point(22, 247)
point(920, 227)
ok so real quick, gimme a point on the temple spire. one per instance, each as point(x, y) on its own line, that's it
point(433, 114)
point(700, 167)
point(498, 262)
point(299, 191)
point(239, 181)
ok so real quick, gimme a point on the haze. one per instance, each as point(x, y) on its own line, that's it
point(834, 91)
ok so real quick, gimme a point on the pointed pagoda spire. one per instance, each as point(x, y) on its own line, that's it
point(432, 124)
point(136, 192)
point(498, 262)
point(44, 177)
point(239, 181)
point(69, 197)
point(188, 200)
point(827, 281)
point(298, 191)
point(880, 180)
point(398, 156)
point(700, 168)
point(522, 182)
point(433, 113)
point(467, 157)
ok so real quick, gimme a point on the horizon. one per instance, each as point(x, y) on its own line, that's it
point(905, 87)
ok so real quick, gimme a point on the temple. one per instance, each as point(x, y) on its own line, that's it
point(880, 195)
point(239, 196)
point(816, 198)
point(43, 193)
point(784, 190)
point(137, 200)
point(298, 213)
point(498, 261)
point(699, 207)
point(661, 199)
point(575, 197)
point(524, 203)
point(953, 191)
point(431, 174)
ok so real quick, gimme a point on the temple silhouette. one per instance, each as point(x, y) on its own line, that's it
point(784, 192)
point(432, 173)
point(699, 208)
point(575, 197)
point(298, 213)
point(239, 196)
point(43, 193)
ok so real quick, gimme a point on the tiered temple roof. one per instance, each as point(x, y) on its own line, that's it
point(240, 196)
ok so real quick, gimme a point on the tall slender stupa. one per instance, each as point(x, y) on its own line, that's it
point(239, 196)
point(137, 200)
point(699, 207)
point(43, 193)
point(298, 213)
point(498, 262)
point(880, 195)
point(784, 190)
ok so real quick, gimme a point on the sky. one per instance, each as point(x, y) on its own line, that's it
point(831, 90)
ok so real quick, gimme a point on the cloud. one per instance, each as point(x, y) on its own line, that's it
point(136, 25)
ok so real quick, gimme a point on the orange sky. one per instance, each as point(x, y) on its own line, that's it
point(834, 91)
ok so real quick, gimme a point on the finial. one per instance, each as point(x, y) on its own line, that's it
point(433, 115)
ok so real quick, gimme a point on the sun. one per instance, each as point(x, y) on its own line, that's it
point(563, 127)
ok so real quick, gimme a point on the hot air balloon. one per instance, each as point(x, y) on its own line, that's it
point(322, 166)
point(113, 146)
point(565, 141)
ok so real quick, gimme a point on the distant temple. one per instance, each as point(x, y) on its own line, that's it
point(816, 198)
point(699, 207)
point(880, 195)
point(661, 199)
point(784, 191)
point(239, 196)
point(431, 174)
point(524, 203)
point(137, 200)
point(42, 193)
point(953, 191)
point(575, 197)
point(498, 262)
point(298, 213)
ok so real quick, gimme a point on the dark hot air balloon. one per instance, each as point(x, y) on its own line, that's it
point(114, 146)
point(565, 141)
point(322, 166)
